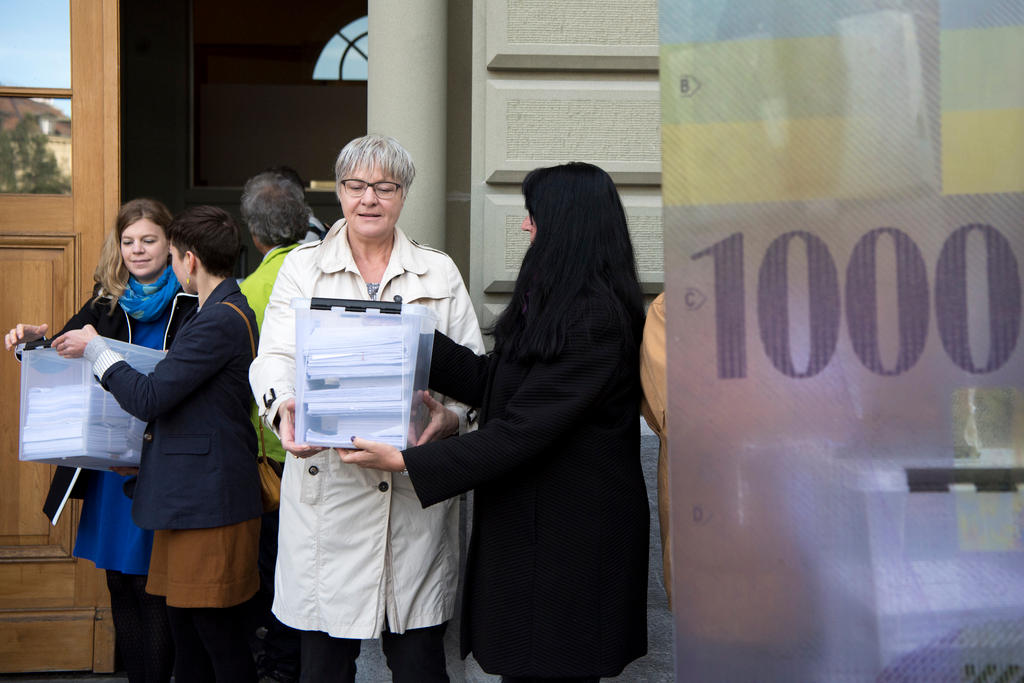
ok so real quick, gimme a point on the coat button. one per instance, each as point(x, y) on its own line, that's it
point(314, 470)
point(147, 436)
point(382, 487)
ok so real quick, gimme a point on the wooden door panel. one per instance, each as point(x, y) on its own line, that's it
point(54, 640)
point(52, 614)
point(57, 640)
point(23, 214)
point(54, 609)
point(37, 275)
point(35, 585)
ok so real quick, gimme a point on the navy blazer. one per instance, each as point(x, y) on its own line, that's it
point(198, 467)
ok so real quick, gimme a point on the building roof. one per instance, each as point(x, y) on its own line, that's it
point(13, 109)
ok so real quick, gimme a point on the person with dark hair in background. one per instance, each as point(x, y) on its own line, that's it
point(197, 485)
point(137, 299)
point(556, 576)
point(275, 211)
point(315, 230)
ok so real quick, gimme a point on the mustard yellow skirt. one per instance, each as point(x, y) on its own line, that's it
point(214, 567)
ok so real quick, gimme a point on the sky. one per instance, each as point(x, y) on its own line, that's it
point(35, 45)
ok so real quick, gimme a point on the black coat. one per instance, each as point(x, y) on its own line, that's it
point(96, 312)
point(198, 467)
point(556, 578)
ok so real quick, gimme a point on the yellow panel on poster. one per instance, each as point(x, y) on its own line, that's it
point(981, 151)
point(790, 160)
point(747, 80)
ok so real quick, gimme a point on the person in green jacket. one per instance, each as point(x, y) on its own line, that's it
point(275, 210)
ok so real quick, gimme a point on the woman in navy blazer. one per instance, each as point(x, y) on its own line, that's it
point(556, 577)
point(197, 485)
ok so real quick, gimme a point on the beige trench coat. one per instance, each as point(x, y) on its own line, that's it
point(355, 545)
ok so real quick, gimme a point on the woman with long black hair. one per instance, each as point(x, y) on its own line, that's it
point(556, 579)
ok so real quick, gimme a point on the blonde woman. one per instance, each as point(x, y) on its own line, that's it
point(137, 299)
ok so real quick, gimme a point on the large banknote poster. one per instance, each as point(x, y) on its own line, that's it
point(844, 222)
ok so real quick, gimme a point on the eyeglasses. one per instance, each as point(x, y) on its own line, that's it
point(384, 189)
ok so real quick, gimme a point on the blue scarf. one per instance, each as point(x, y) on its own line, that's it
point(147, 302)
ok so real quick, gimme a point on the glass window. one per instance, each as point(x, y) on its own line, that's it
point(35, 145)
point(35, 44)
point(345, 55)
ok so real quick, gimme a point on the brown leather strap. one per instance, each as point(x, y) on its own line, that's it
point(252, 345)
point(252, 340)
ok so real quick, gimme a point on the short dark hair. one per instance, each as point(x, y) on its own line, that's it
point(211, 234)
point(581, 249)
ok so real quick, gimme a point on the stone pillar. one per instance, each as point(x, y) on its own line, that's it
point(406, 99)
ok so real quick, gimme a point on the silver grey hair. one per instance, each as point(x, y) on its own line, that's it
point(275, 209)
point(375, 151)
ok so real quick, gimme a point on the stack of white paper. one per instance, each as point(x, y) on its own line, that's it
point(358, 351)
point(67, 418)
point(354, 400)
point(356, 378)
point(73, 419)
point(358, 372)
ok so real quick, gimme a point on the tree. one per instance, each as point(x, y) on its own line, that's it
point(27, 165)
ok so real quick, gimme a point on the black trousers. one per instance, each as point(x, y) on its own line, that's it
point(279, 649)
point(210, 645)
point(416, 656)
point(141, 631)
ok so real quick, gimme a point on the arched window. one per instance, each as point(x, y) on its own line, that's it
point(344, 57)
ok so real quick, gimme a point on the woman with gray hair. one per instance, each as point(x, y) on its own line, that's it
point(358, 556)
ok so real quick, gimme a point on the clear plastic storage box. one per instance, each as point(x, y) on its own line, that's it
point(360, 366)
point(68, 418)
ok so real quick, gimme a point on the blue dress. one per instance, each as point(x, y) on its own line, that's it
point(106, 533)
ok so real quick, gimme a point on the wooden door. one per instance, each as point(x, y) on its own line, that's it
point(54, 612)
